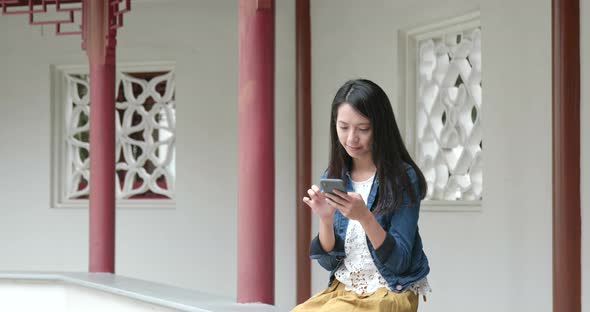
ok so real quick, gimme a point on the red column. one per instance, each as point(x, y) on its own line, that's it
point(100, 46)
point(567, 223)
point(256, 152)
point(303, 120)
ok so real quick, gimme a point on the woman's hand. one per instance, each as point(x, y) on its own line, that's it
point(351, 205)
point(319, 205)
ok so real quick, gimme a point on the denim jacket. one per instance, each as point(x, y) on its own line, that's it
point(400, 259)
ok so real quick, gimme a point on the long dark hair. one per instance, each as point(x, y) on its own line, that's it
point(389, 152)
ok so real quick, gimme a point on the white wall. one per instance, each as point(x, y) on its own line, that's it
point(81, 291)
point(498, 259)
point(193, 245)
point(519, 143)
point(585, 150)
point(29, 296)
point(285, 199)
point(17, 296)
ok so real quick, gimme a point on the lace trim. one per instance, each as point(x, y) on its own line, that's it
point(421, 287)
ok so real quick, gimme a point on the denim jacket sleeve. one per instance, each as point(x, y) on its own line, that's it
point(328, 260)
point(395, 252)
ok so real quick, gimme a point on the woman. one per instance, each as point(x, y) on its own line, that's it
point(368, 237)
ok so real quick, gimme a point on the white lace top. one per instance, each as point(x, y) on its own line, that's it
point(358, 273)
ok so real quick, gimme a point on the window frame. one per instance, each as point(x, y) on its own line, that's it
point(408, 40)
point(58, 91)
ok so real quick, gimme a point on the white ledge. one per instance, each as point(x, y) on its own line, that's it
point(149, 292)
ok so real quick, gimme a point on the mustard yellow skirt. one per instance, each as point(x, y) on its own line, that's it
point(336, 298)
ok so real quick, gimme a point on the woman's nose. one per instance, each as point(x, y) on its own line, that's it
point(352, 137)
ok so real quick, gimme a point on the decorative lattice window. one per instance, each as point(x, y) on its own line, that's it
point(442, 94)
point(145, 120)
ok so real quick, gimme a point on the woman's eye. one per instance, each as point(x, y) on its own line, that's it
point(364, 129)
point(343, 128)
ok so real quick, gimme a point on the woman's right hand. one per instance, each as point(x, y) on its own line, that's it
point(319, 205)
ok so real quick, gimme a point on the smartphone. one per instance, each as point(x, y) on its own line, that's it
point(329, 185)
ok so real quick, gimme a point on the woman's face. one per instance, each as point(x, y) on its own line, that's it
point(355, 132)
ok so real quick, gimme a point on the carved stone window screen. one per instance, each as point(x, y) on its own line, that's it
point(145, 135)
point(441, 102)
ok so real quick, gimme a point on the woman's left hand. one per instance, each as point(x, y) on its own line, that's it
point(350, 205)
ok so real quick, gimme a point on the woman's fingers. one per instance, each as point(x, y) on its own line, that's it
point(342, 195)
point(312, 194)
point(307, 201)
point(335, 199)
point(309, 204)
